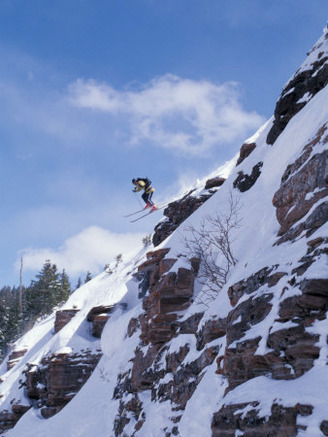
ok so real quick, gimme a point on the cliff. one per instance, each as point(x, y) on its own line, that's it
point(165, 347)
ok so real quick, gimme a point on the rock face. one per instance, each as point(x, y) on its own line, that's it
point(63, 317)
point(289, 352)
point(98, 324)
point(246, 418)
point(58, 378)
point(307, 82)
point(304, 184)
point(290, 348)
point(176, 212)
point(169, 294)
point(8, 419)
point(15, 357)
point(98, 316)
point(51, 384)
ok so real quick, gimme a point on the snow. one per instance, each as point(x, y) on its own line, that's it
point(93, 410)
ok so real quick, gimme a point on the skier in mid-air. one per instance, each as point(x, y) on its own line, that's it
point(145, 184)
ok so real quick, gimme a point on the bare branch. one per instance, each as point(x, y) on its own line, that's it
point(212, 239)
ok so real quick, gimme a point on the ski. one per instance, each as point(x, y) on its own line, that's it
point(145, 215)
point(142, 210)
point(148, 213)
point(135, 212)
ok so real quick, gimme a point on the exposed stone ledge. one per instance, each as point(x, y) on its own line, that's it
point(58, 377)
point(300, 192)
point(101, 309)
point(254, 282)
point(98, 324)
point(15, 357)
point(246, 418)
point(8, 419)
point(63, 317)
point(176, 212)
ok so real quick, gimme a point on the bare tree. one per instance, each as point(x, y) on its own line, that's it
point(211, 243)
point(20, 300)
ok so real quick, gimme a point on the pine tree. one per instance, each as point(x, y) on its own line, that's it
point(9, 317)
point(65, 288)
point(78, 285)
point(88, 277)
point(50, 289)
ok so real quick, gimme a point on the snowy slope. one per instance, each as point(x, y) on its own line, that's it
point(93, 411)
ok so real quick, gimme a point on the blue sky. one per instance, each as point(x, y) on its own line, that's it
point(95, 92)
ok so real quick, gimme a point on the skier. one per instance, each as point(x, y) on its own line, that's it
point(145, 184)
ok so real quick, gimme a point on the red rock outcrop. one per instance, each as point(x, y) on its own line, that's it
point(101, 309)
point(304, 184)
point(254, 282)
point(58, 377)
point(176, 212)
point(98, 316)
point(8, 419)
point(246, 419)
point(299, 193)
point(98, 324)
point(63, 317)
point(169, 293)
point(14, 357)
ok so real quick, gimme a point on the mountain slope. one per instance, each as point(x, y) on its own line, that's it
point(174, 358)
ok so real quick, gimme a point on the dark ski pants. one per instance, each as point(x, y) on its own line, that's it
point(147, 197)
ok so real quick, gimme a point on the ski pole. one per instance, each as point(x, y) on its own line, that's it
point(137, 198)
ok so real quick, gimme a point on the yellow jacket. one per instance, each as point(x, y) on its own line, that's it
point(141, 186)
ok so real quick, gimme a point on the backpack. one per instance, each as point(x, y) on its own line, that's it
point(146, 181)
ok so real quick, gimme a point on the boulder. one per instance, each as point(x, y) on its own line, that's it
point(245, 151)
point(214, 182)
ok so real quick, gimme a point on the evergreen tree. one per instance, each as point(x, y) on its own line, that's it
point(65, 288)
point(9, 318)
point(88, 277)
point(78, 285)
point(48, 290)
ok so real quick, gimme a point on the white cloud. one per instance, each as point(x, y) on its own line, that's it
point(180, 114)
point(90, 250)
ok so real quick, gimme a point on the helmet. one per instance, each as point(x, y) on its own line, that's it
point(134, 181)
